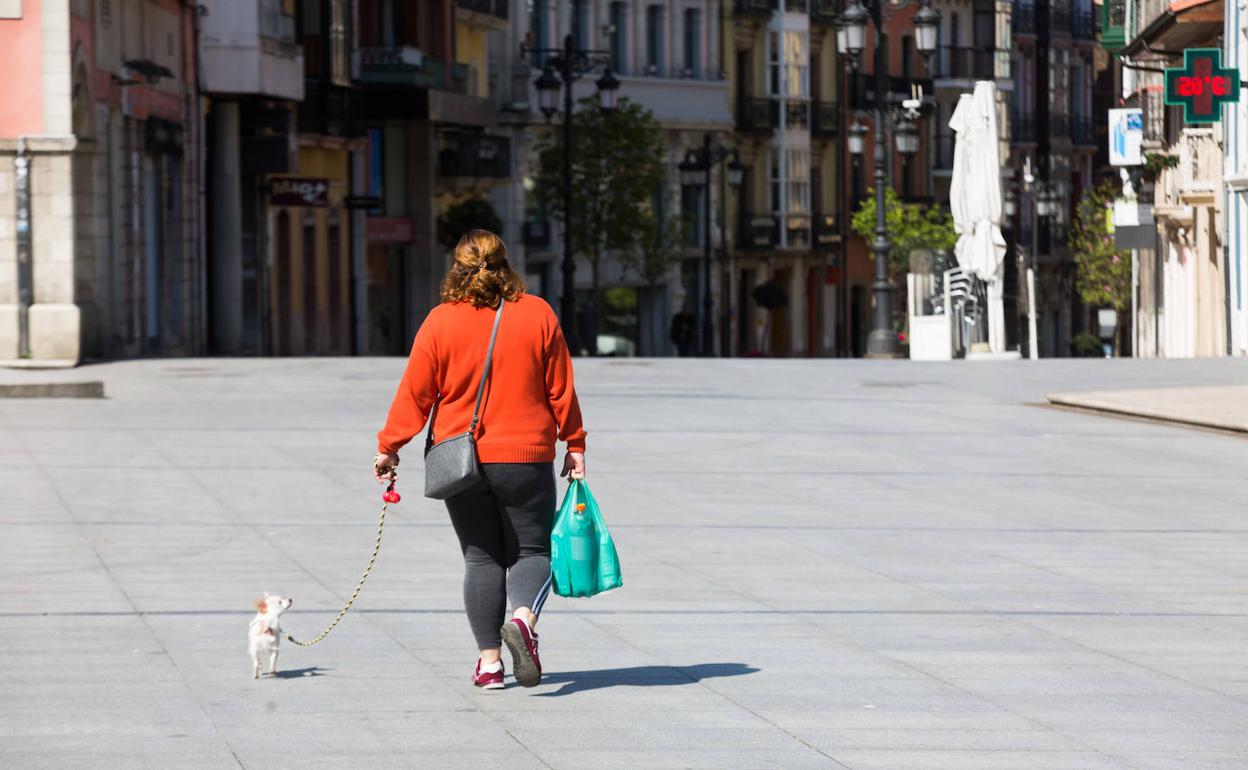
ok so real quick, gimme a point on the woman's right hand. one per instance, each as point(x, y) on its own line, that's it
point(574, 465)
point(383, 467)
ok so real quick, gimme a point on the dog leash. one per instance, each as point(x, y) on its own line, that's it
point(387, 497)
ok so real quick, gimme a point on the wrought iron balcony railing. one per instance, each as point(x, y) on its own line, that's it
point(757, 116)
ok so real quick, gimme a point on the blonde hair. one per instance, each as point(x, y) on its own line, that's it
point(481, 273)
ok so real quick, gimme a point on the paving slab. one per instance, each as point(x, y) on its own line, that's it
point(828, 564)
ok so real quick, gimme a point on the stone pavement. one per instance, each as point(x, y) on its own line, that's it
point(1221, 407)
point(827, 564)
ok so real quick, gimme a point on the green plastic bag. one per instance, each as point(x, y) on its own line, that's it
point(583, 561)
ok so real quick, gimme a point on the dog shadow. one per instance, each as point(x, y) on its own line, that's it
point(640, 676)
point(298, 673)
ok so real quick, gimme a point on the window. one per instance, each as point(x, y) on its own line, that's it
point(580, 23)
point(788, 65)
point(693, 43)
point(619, 28)
point(798, 181)
point(654, 40)
point(907, 63)
point(789, 187)
point(691, 211)
point(537, 28)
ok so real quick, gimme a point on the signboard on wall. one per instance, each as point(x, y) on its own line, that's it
point(1201, 85)
point(299, 191)
point(1126, 137)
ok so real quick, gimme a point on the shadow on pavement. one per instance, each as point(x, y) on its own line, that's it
point(298, 673)
point(640, 676)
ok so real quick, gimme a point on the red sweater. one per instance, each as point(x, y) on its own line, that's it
point(529, 398)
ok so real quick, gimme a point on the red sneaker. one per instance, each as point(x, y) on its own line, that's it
point(488, 680)
point(522, 641)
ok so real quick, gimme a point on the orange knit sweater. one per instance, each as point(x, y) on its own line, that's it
point(529, 398)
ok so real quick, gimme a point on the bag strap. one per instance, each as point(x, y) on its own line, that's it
point(476, 409)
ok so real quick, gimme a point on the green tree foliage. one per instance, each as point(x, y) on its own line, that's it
point(617, 164)
point(466, 215)
point(659, 246)
point(910, 227)
point(1103, 271)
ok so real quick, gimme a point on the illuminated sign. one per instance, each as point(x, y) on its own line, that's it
point(1201, 85)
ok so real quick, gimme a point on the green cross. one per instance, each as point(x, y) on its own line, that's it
point(1201, 85)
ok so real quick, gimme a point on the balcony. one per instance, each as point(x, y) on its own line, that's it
point(329, 110)
point(825, 119)
point(407, 66)
point(249, 48)
point(1083, 26)
point(1059, 126)
point(1022, 127)
point(861, 95)
point(1059, 17)
point(488, 7)
point(473, 156)
point(1083, 132)
point(758, 232)
point(963, 63)
point(753, 7)
point(823, 12)
point(826, 230)
point(1023, 20)
point(757, 116)
point(1195, 180)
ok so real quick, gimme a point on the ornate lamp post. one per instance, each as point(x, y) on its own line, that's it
point(563, 67)
point(851, 37)
point(695, 171)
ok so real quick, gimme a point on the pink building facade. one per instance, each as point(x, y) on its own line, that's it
point(100, 181)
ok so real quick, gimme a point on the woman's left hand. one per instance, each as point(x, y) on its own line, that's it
point(383, 467)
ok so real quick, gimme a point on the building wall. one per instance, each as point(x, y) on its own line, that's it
point(1235, 142)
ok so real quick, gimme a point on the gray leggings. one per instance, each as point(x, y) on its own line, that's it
point(504, 526)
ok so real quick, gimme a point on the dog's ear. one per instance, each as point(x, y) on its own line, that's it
point(261, 605)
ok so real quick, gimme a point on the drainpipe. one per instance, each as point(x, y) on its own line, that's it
point(25, 274)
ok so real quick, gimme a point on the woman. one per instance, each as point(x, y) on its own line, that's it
point(503, 523)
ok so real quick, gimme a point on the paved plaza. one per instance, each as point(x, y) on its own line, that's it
point(827, 564)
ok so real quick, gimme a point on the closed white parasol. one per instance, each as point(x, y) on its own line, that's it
point(975, 199)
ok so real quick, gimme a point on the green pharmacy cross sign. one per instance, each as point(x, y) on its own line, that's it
point(1201, 85)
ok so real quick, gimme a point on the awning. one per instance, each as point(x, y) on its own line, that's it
point(1184, 24)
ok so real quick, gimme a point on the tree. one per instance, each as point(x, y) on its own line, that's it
point(909, 226)
point(660, 241)
point(617, 165)
point(466, 215)
point(1102, 270)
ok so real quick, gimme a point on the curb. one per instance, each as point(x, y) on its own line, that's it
point(89, 389)
point(1085, 404)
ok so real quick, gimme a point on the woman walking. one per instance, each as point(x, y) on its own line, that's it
point(504, 522)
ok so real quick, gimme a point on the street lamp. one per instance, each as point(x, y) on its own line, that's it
point(563, 67)
point(906, 135)
point(695, 171)
point(857, 140)
point(852, 32)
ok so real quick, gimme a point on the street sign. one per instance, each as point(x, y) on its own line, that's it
point(299, 191)
point(1201, 85)
point(1126, 137)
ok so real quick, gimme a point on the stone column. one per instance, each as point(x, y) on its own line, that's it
point(227, 231)
point(54, 320)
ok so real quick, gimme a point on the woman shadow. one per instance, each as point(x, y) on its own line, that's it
point(640, 676)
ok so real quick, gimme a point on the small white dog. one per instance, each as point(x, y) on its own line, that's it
point(265, 631)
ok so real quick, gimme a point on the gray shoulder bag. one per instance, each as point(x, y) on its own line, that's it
point(451, 466)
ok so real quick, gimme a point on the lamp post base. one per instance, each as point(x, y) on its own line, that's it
point(882, 343)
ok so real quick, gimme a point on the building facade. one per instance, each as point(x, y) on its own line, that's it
point(1185, 291)
point(1052, 131)
point(99, 179)
point(1235, 177)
